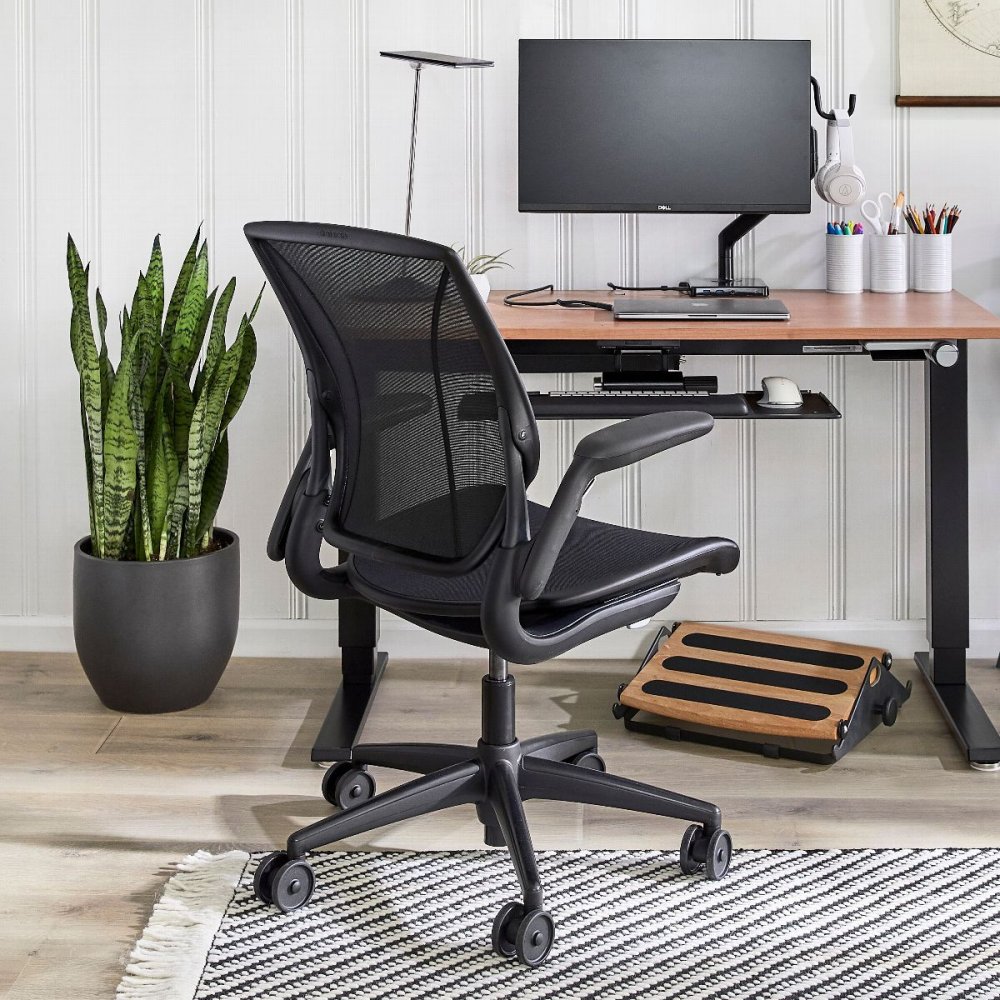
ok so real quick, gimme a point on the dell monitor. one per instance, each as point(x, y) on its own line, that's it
point(666, 126)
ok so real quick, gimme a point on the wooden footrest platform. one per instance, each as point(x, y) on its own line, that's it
point(780, 695)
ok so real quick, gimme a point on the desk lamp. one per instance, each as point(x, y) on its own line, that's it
point(418, 60)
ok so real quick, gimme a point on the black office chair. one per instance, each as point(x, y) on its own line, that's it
point(413, 388)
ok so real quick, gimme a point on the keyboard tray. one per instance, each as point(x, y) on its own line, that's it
point(598, 405)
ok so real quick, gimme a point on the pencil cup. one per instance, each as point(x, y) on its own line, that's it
point(844, 263)
point(887, 257)
point(931, 253)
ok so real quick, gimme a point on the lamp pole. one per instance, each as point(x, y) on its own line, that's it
point(417, 67)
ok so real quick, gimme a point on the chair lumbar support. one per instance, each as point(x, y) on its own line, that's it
point(497, 776)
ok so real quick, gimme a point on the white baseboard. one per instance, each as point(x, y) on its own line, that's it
point(279, 637)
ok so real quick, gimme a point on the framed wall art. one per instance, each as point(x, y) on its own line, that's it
point(949, 53)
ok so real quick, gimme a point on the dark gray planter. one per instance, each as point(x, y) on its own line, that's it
point(156, 637)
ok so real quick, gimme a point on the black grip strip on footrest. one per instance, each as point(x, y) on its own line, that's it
point(732, 699)
point(754, 675)
point(774, 651)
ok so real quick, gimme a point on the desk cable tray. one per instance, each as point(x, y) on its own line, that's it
point(778, 695)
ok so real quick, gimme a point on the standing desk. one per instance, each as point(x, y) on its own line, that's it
point(555, 339)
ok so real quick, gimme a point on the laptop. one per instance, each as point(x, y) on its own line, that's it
point(684, 307)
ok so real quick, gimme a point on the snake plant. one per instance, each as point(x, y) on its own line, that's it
point(156, 446)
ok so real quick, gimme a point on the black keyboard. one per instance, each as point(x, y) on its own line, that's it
point(602, 404)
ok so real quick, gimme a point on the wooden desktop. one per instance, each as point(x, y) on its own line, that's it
point(815, 315)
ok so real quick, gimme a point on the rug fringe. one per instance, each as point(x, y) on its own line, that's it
point(167, 961)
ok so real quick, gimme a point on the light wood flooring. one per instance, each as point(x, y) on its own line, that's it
point(95, 806)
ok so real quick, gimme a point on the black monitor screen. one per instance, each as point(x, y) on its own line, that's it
point(664, 125)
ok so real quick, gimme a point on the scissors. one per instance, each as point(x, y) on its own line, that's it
point(872, 211)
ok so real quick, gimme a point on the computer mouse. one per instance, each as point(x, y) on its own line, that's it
point(780, 391)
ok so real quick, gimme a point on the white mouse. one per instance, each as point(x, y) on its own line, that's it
point(780, 391)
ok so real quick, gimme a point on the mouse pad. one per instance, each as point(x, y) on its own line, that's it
point(756, 682)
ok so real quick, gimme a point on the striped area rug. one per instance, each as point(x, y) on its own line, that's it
point(783, 925)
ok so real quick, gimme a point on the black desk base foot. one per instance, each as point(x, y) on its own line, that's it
point(967, 718)
point(345, 720)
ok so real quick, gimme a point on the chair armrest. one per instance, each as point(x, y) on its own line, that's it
point(610, 448)
point(283, 519)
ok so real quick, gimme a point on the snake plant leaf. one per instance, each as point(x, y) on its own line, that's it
point(154, 281)
point(143, 529)
point(74, 337)
point(107, 368)
point(200, 338)
point(180, 290)
point(121, 446)
point(144, 324)
point(173, 471)
point(182, 409)
point(241, 381)
point(217, 338)
point(88, 365)
point(157, 481)
point(139, 284)
point(205, 425)
point(212, 489)
point(177, 516)
point(184, 345)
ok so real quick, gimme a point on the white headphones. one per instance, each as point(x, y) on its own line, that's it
point(840, 180)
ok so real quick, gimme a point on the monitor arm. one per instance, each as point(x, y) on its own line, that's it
point(728, 238)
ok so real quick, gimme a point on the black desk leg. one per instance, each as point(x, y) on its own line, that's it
point(362, 667)
point(947, 490)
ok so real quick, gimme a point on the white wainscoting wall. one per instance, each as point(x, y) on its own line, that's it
point(121, 120)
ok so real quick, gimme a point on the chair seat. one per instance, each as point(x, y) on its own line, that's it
point(598, 562)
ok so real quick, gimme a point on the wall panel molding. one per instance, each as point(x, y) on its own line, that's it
point(899, 167)
point(563, 222)
point(837, 478)
point(358, 96)
point(475, 201)
point(27, 305)
point(295, 165)
point(205, 33)
point(90, 99)
point(746, 462)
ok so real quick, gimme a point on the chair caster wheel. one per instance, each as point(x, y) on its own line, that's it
point(618, 710)
point(291, 885)
point(265, 872)
point(718, 854)
point(887, 660)
point(525, 934)
point(535, 934)
point(709, 852)
point(505, 929)
point(589, 758)
point(347, 785)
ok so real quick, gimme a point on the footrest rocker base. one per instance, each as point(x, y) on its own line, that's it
point(769, 693)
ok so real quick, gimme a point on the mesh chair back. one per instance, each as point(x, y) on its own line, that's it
point(397, 358)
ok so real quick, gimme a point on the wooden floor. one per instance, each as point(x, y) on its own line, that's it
point(94, 806)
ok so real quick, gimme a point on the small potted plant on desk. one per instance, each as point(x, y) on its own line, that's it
point(480, 266)
point(155, 584)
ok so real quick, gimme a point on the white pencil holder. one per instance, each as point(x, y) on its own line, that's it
point(844, 263)
point(931, 256)
point(887, 263)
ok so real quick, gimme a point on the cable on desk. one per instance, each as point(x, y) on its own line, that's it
point(565, 303)
point(682, 287)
